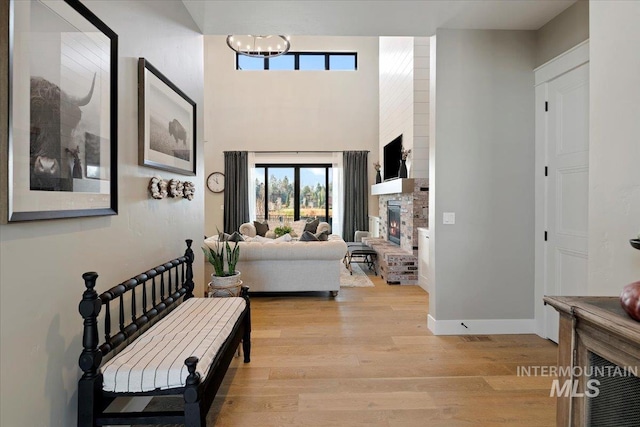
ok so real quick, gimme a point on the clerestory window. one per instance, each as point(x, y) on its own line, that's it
point(300, 61)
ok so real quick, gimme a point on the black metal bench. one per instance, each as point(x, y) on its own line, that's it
point(165, 286)
point(359, 252)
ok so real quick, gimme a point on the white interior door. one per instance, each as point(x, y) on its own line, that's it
point(567, 188)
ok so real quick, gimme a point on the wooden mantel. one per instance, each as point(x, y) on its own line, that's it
point(592, 325)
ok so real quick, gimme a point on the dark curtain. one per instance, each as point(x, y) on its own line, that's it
point(236, 191)
point(356, 193)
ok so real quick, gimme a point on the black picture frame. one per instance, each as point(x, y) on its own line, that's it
point(58, 89)
point(166, 123)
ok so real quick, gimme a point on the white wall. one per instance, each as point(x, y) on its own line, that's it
point(289, 110)
point(396, 93)
point(563, 32)
point(484, 158)
point(614, 151)
point(419, 158)
point(42, 262)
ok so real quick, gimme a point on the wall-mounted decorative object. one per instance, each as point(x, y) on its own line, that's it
point(176, 188)
point(189, 190)
point(166, 123)
point(61, 82)
point(158, 188)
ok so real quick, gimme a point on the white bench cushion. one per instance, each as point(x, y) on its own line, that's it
point(197, 327)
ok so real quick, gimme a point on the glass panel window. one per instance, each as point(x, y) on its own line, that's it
point(281, 194)
point(290, 192)
point(249, 63)
point(282, 62)
point(342, 62)
point(313, 193)
point(260, 193)
point(312, 62)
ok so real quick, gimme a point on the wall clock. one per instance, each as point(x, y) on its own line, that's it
point(215, 182)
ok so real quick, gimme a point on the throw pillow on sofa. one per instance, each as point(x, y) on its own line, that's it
point(312, 226)
point(308, 236)
point(261, 228)
point(235, 237)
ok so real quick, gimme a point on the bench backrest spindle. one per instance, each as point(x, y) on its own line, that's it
point(121, 313)
point(153, 291)
point(177, 277)
point(182, 273)
point(168, 266)
point(161, 270)
point(133, 304)
point(144, 297)
point(107, 321)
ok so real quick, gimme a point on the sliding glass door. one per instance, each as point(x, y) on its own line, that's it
point(291, 192)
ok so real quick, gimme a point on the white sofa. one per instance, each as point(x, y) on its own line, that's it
point(248, 229)
point(294, 266)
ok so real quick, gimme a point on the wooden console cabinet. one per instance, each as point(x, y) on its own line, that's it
point(595, 325)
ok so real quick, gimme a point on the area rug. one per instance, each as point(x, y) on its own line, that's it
point(359, 278)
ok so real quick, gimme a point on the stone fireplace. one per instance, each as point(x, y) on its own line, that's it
point(394, 222)
point(414, 210)
point(403, 206)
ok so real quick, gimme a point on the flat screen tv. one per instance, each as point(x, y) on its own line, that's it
point(392, 156)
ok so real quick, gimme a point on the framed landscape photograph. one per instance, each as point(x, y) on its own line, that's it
point(166, 123)
point(61, 140)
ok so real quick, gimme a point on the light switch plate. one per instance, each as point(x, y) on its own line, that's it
point(448, 218)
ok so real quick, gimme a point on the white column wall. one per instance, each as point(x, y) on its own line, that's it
point(614, 150)
point(484, 159)
point(419, 159)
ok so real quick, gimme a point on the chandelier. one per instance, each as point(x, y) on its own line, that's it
point(259, 46)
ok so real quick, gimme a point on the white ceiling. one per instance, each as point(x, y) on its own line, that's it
point(369, 18)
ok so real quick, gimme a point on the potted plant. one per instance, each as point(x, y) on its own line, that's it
point(282, 230)
point(224, 282)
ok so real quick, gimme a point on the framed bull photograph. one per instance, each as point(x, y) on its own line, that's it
point(60, 79)
point(166, 123)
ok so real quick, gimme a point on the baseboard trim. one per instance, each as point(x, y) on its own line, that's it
point(481, 326)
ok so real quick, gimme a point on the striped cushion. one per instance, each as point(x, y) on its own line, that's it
point(197, 327)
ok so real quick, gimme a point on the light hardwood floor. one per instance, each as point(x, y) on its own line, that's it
point(368, 359)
